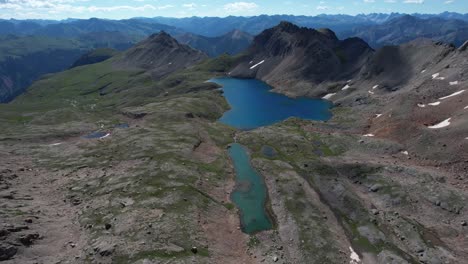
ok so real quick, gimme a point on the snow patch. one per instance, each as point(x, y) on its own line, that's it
point(442, 124)
point(55, 144)
point(421, 105)
point(452, 95)
point(106, 135)
point(250, 62)
point(423, 71)
point(349, 81)
point(328, 96)
point(434, 104)
point(466, 107)
point(346, 87)
point(355, 259)
point(405, 153)
point(378, 115)
point(369, 135)
point(253, 67)
point(375, 87)
point(435, 76)
point(371, 92)
point(454, 83)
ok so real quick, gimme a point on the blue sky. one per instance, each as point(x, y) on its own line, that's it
point(117, 9)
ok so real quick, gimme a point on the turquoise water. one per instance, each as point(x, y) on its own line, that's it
point(253, 105)
point(250, 194)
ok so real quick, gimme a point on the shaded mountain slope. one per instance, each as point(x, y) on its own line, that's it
point(24, 59)
point(294, 57)
point(95, 56)
point(231, 43)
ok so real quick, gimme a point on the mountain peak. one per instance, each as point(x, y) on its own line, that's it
point(161, 54)
point(287, 27)
point(328, 32)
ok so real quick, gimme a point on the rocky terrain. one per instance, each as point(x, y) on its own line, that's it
point(383, 181)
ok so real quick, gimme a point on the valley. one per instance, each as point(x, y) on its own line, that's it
point(304, 148)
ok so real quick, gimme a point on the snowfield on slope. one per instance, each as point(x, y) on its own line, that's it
point(452, 95)
point(442, 124)
point(328, 96)
point(253, 67)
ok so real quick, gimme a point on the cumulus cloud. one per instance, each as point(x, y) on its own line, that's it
point(190, 5)
point(240, 6)
point(413, 1)
point(40, 8)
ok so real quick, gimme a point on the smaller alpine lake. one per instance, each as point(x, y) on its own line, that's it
point(251, 193)
point(253, 105)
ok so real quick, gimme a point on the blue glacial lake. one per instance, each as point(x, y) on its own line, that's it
point(253, 105)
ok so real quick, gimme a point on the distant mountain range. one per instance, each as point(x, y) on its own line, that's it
point(74, 28)
point(58, 44)
point(215, 26)
point(231, 43)
point(407, 28)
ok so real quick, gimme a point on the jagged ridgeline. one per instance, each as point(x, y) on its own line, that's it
point(133, 149)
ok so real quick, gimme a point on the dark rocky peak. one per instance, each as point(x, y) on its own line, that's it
point(162, 38)
point(287, 27)
point(161, 54)
point(328, 33)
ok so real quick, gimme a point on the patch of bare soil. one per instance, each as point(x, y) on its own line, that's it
point(38, 224)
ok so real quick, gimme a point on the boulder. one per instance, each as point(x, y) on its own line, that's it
point(7, 252)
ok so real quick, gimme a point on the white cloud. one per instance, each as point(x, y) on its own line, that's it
point(40, 8)
point(190, 5)
point(413, 1)
point(322, 7)
point(240, 6)
point(449, 2)
point(369, 1)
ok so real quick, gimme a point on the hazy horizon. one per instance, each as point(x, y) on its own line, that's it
point(125, 9)
point(142, 17)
